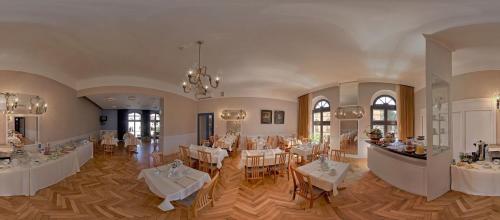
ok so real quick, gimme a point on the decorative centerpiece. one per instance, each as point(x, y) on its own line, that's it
point(374, 134)
point(389, 138)
point(174, 165)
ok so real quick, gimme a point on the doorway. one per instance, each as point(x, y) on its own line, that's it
point(205, 126)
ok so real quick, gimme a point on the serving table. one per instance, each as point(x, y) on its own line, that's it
point(218, 154)
point(322, 178)
point(39, 171)
point(174, 187)
point(474, 179)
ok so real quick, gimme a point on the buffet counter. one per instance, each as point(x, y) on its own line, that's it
point(402, 170)
point(40, 171)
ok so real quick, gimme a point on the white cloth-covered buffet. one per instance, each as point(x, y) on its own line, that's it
point(475, 179)
point(41, 171)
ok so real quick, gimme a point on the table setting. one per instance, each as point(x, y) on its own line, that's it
point(173, 181)
point(325, 174)
point(218, 154)
point(269, 156)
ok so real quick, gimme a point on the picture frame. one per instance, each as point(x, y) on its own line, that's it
point(266, 116)
point(279, 117)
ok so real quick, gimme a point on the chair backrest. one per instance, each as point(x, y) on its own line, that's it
point(316, 151)
point(280, 160)
point(205, 143)
point(255, 163)
point(211, 139)
point(270, 141)
point(205, 159)
point(237, 141)
point(303, 183)
point(185, 155)
point(326, 148)
point(157, 158)
point(251, 144)
point(206, 194)
point(337, 155)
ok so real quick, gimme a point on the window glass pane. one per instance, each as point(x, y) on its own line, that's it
point(392, 115)
point(326, 116)
point(316, 129)
point(130, 117)
point(326, 129)
point(378, 114)
point(137, 116)
point(317, 116)
point(381, 127)
point(137, 130)
point(392, 102)
point(392, 129)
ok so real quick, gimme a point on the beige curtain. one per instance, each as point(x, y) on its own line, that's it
point(304, 114)
point(406, 112)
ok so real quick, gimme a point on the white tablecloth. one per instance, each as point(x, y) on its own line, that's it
point(113, 142)
point(303, 150)
point(323, 179)
point(29, 178)
point(477, 181)
point(228, 142)
point(218, 154)
point(269, 156)
point(173, 188)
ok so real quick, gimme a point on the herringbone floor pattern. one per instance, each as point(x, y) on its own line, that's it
point(107, 188)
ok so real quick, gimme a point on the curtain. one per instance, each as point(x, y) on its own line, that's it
point(304, 114)
point(406, 112)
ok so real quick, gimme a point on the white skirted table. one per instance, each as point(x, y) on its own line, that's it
point(303, 150)
point(175, 187)
point(41, 172)
point(269, 156)
point(476, 180)
point(217, 154)
point(322, 178)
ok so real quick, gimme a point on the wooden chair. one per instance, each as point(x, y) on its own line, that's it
point(303, 187)
point(254, 168)
point(337, 155)
point(326, 148)
point(108, 149)
point(197, 201)
point(316, 151)
point(205, 163)
point(269, 142)
point(157, 158)
point(211, 139)
point(281, 163)
point(251, 145)
point(185, 156)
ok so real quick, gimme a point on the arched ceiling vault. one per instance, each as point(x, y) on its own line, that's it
point(278, 49)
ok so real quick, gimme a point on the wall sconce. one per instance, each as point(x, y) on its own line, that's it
point(498, 101)
point(233, 115)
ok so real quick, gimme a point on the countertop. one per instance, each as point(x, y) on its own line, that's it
point(398, 150)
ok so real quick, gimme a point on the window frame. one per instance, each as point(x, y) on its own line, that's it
point(137, 117)
point(154, 121)
point(386, 108)
point(321, 122)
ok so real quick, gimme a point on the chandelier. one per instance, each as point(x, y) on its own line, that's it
point(11, 102)
point(198, 77)
point(233, 115)
point(37, 105)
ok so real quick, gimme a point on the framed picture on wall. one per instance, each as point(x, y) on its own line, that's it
point(266, 116)
point(279, 117)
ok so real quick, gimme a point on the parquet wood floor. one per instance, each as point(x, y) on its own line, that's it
point(107, 188)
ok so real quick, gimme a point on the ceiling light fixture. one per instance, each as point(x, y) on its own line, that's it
point(197, 76)
point(37, 105)
point(11, 102)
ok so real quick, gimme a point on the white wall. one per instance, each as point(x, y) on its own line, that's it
point(251, 126)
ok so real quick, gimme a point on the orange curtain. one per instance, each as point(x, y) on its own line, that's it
point(406, 112)
point(304, 114)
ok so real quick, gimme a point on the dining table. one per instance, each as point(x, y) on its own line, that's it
point(227, 142)
point(173, 184)
point(322, 175)
point(303, 150)
point(269, 156)
point(217, 154)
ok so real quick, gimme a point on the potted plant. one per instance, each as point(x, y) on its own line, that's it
point(374, 134)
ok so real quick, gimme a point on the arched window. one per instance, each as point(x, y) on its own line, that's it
point(384, 114)
point(154, 125)
point(321, 120)
point(134, 124)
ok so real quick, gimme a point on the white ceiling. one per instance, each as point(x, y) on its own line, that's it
point(126, 101)
point(278, 49)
